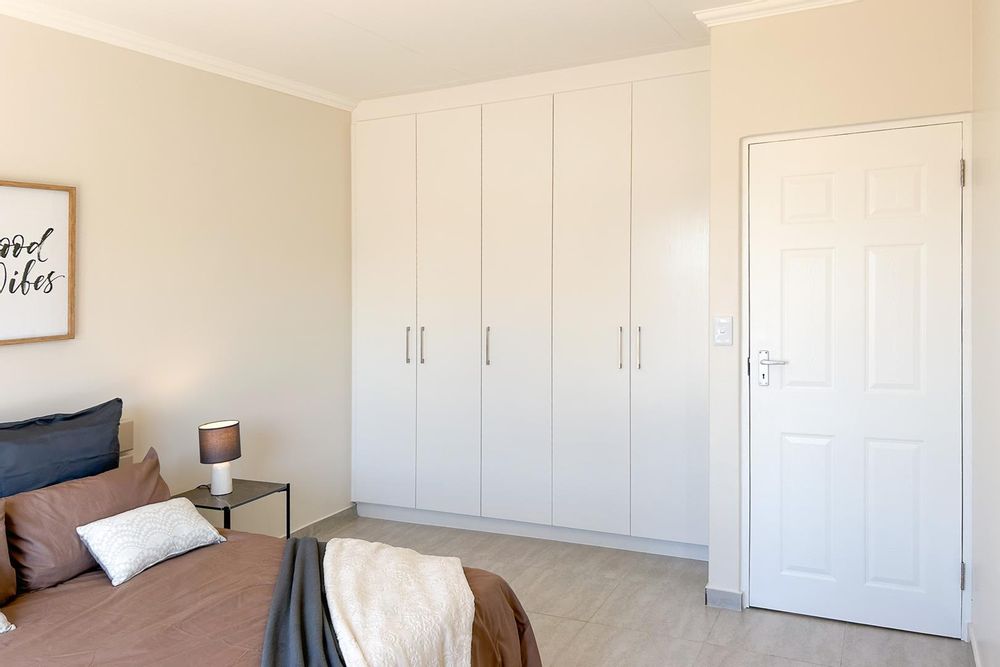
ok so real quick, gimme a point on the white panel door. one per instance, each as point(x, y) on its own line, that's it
point(856, 441)
point(385, 299)
point(669, 408)
point(590, 341)
point(517, 310)
point(449, 246)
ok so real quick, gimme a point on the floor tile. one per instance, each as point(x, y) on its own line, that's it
point(398, 534)
point(469, 545)
point(790, 636)
point(588, 560)
point(562, 592)
point(508, 571)
point(646, 566)
point(326, 528)
point(520, 551)
point(658, 605)
point(374, 530)
point(601, 646)
point(719, 656)
point(553, 635)
point(866, 646)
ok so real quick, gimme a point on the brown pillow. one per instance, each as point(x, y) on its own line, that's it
point(8, 579)
point(41, 524)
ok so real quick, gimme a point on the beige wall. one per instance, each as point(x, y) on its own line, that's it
point(986, 331)
point(213, 246)
point(866, 61)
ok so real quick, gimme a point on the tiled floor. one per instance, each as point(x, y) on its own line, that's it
point(595, 606)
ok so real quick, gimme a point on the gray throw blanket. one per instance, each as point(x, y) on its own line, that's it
point(299, 631)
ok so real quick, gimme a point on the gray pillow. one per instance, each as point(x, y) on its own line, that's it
point(128, 543)
point(40, 452)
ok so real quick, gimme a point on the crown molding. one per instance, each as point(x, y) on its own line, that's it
point(83, 26)
point(758, 9)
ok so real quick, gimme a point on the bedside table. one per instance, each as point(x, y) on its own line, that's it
point(244, 491)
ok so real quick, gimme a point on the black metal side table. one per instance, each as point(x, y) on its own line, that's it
point(244, 491)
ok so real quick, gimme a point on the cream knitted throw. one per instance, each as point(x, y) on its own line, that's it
point(392, 606)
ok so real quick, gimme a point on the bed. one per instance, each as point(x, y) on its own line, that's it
point(207, 606)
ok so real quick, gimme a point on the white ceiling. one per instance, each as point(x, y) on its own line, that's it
point(342, 51)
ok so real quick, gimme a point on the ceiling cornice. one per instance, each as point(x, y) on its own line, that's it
point(758, 9)
point(127, 39)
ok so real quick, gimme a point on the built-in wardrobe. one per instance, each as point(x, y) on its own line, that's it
point(531, 310)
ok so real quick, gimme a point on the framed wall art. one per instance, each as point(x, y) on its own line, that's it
point(37, 262)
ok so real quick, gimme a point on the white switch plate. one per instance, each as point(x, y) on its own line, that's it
point(722, 330)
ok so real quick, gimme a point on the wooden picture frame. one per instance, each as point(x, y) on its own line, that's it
point(32, 301)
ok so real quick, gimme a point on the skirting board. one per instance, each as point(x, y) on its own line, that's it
point(971, 631)
point(539, 531)
point(723, 599)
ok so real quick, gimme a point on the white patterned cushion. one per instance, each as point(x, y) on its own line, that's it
point(5, 625)
point(128, 543)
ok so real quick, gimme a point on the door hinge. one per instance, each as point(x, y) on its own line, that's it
point(963, 577)
point(748, 366)
point(962, 169)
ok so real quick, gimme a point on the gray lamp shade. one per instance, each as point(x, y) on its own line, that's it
point(219, 442)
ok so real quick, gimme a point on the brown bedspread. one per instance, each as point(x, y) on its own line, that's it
point(501, 632)
point(208, 607)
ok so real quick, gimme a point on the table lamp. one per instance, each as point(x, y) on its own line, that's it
point(219, 443)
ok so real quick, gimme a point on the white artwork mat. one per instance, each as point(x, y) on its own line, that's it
point(35, 264)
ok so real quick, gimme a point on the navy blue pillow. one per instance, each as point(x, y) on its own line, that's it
point(40, 452)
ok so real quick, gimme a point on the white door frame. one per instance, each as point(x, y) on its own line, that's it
point(966, 121)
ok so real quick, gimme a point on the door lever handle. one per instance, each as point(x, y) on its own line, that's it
point(764, 372)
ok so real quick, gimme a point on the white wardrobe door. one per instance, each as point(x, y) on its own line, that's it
point(590, 342)
point(449, 247)
point(517, 309)
point(670, 304)
point(385, 307)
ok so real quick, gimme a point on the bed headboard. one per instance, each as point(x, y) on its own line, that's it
point(125, 440)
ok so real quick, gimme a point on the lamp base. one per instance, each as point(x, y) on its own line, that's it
point(222, 479)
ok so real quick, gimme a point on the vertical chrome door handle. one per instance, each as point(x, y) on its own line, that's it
point(621, 335)
point(487, 346)
point(638, 349)
point(408, 344)
point(421, 345)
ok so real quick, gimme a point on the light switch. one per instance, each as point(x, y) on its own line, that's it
point(722, 330)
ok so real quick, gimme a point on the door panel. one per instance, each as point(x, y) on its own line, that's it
point(449, 238)
point(895, 325)
point(385, 307)
point(856, 443)
point(669, 415)
point(591, 200)
point(807, 316)
point(517, 309)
